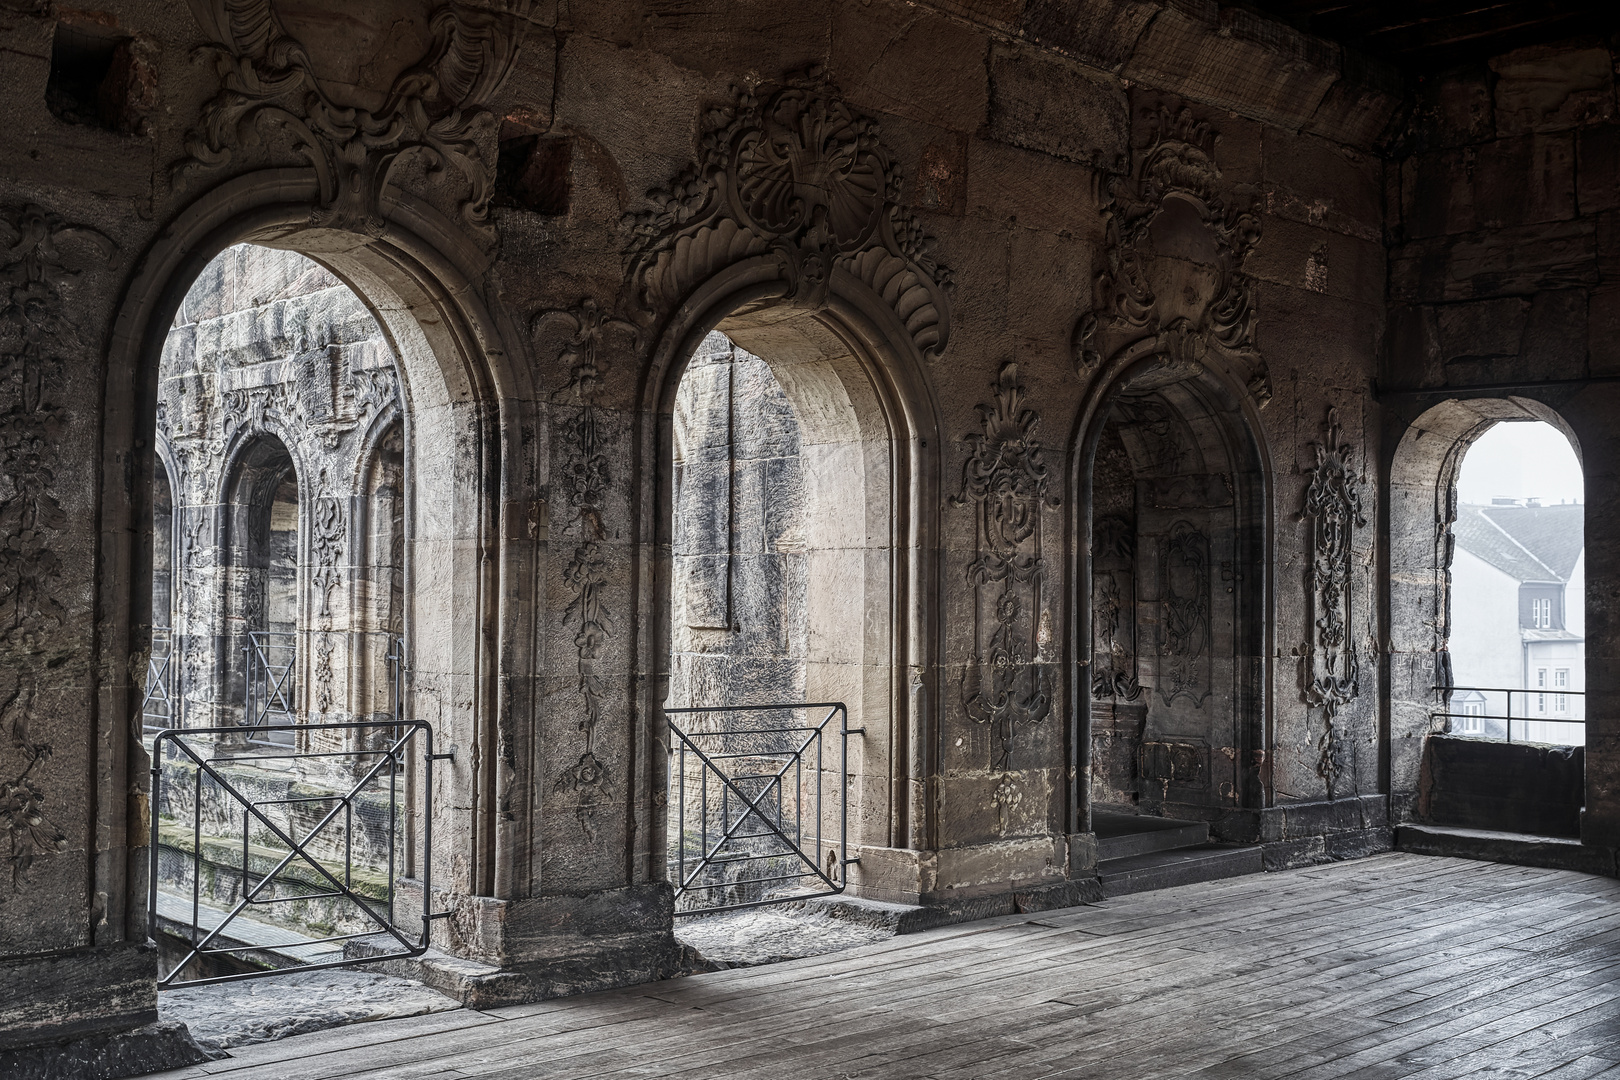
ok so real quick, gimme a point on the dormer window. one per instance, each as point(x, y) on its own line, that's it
point(1541, 613)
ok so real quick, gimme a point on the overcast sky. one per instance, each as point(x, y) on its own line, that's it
point(1521, 461)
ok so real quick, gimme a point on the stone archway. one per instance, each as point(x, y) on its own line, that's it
point(461, 399)
point(1172, 597)
point(1172, 694)
point(787, 238)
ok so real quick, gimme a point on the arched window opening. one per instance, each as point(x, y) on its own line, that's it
point(1518, 646)
point(259, 568)
point(1486, 602)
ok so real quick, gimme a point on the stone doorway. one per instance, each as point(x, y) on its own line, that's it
point(781, 592)
point(1176, 588)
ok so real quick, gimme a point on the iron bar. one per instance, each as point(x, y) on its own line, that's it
point(200, 747)
point(750, 767)
point(1508, 718)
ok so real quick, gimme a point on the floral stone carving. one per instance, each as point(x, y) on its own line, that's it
point(1331, 670)
point(354, 136)
point(1174, 284)
point(583, 480)
point(1007, 682)
point(795, 173)
point(41, 261)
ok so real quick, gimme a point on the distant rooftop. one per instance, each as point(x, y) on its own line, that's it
point(1527, 542)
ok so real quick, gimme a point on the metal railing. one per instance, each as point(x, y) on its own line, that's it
point(269, 660)
point(1526, 717)
point(754, 807)
point(278, 866)
point(157, 704)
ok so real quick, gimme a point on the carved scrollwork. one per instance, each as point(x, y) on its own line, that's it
point(1175, 253)
point(583, 481)
point(1007, 682)
point(1330, 668)
point(327, 531)
point(354, 140)
point(798, 173)
point(40, 258)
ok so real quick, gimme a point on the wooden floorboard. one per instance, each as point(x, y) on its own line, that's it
point(1396, 967)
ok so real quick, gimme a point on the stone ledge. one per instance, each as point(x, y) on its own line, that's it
point(83, 994)
point(153, 1048)
point(1518, 849)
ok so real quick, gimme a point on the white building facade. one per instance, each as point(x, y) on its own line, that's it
point(1518, 622)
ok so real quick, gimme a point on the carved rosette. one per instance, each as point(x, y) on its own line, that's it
point(1330, 669)
point(582, 480)
point(433, 109)
point(1174, 285)
point(42, 257)
point(1007, 682)
point(794, 173)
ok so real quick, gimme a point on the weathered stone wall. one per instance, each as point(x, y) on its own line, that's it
point(1501, 188)
point(740, 566)
point(1010, 223)
point(278, 415)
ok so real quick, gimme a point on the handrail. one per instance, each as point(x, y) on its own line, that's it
point(1508, 716)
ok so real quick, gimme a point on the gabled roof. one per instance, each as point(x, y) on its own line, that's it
point(1528, 543)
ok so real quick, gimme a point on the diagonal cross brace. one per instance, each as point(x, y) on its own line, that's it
point(296, 849)
point(752, 804)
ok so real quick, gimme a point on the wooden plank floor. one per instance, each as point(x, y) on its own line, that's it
point(1392, 966)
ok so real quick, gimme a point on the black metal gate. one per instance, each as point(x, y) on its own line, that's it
point(759, 804)
point(256, 849)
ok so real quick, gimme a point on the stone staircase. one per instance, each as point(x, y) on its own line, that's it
point(1138, 853)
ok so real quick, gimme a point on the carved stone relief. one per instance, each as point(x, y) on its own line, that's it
point(1184, 616)
point(326, 535)
point(42, 256)
point(1330, 668)
point(583, 480)
point(1175, 253)
point(591, 784)
point(795, 173)
point(1113, 558)
point(354, 135)
point(1007, 682)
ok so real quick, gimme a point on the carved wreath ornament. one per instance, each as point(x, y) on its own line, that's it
point(432, 108)
point(798, 174)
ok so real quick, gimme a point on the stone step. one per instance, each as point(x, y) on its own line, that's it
point(1185, 866)
point(476, 985)
point(1120, 836)
point(1519, 849)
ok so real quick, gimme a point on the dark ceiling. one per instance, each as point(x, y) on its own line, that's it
point(1430, 35)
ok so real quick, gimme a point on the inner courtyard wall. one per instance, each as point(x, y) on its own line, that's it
point(1055, 214)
